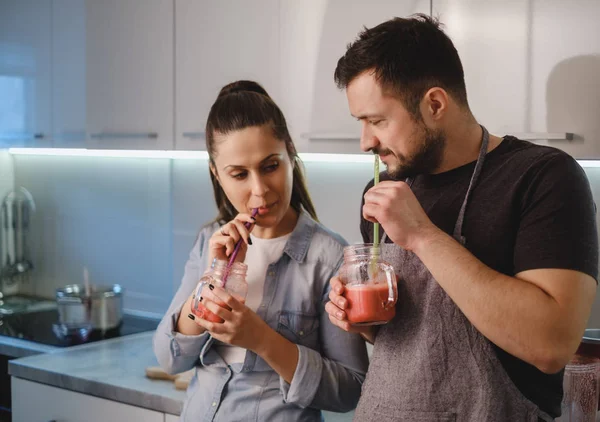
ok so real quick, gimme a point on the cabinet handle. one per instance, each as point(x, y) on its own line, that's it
point(542, 136)
point(324, 136)
point(25, 136)
point(194, 135)
point(124, 135)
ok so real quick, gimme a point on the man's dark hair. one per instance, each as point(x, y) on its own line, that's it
point(408, 57)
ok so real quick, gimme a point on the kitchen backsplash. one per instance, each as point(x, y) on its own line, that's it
point(6, 173)
point(133, 221)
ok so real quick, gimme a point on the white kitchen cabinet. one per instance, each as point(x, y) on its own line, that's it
point(171, 418)
point(129, 74)
point(531, 67)
point(217, 43)
point(314, 36)
point(564, 83)
point(25, 30)
point(69, 99)
point(53, 403)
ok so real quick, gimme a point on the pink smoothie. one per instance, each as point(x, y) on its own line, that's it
point(366, 304)
point(204, 313)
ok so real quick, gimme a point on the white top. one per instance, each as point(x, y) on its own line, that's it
point(259, 256)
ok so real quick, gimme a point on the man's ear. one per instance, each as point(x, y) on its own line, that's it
point(434, 104)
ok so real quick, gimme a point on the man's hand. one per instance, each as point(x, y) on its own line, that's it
point(395, 207)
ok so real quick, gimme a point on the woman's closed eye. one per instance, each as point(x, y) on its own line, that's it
point(271, 167)
point(240, 176)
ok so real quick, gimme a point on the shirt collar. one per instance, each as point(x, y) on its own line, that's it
point(298, 243)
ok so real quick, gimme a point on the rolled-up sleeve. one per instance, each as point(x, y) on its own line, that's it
point(174, 351)
point(330, 380)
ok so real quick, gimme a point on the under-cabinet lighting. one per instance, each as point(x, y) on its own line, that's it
point(308, 157)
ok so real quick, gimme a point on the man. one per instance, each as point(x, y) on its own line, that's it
point(493, 239)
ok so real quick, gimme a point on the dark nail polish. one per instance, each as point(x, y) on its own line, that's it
point(211, 287)
point(192, 317)
point(253, 219)
point(249, 241)
point(200, 299)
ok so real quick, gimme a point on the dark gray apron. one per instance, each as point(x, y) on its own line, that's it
point(430, 363)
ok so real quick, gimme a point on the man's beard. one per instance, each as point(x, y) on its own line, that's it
point(425, 160)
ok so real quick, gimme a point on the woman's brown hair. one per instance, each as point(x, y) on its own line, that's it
point(244, 104)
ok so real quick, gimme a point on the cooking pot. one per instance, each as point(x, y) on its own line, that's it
point(102, 309)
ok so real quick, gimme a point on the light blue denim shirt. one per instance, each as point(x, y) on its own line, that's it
point(332, 363)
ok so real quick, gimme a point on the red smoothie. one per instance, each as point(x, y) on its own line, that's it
point(366, 304)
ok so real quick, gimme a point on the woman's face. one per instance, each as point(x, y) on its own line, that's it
point(254, 170)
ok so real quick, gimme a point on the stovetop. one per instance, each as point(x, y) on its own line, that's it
point(38, 327)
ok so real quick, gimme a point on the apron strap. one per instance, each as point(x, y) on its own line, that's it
point(485, 140)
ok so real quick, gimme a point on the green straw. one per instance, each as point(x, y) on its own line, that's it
point(376, 225)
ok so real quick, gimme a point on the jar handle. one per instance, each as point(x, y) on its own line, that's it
point(390, 278)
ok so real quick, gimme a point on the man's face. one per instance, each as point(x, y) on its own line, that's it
point(405, 144)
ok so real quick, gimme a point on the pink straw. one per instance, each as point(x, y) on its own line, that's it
point(238, 245)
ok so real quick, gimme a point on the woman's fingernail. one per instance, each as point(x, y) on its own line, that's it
point(253, 219)
point(341, 303)
point(211, 287)
point(249, 241)
point(200, 299)
point(192, 317)
point(339, 314)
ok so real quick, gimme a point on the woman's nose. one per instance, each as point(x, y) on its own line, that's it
point(259, 187)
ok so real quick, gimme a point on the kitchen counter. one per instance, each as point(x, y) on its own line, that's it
point(112, 369)
point(18, 348)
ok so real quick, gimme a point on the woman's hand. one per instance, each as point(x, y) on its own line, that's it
point(222, 243)
point(241, 326)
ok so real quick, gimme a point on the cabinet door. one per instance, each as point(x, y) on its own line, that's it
point(68, 73)
point(217, 43)
point(491, 39)
point(129, 74)
point(25, 33)
point(314, 36)
point(531, 68)
point(563, 82)
point(53, 403)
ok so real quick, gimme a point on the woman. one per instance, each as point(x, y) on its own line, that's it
point(275, 357)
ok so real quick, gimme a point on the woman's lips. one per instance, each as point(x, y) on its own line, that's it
point(266, 209)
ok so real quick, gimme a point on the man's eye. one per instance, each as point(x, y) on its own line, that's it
point(375, 122)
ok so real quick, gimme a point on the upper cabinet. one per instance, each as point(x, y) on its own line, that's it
point(218, 42)
point(25, 60)
point(113, 79)
point(314, 36)
point(531, 67)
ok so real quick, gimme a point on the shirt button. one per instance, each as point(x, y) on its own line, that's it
point(214, 404)
point(301, 333)
point(262, 306)
point(271, 273)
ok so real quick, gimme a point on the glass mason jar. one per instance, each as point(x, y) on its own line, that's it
point(235, 285)
point(370, 285)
